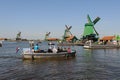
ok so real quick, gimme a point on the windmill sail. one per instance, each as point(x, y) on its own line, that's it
point(89, 20)
point(95, 30)
point(96, 20)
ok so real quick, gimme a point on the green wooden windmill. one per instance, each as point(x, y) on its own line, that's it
point(90, 32)
point(68, 34)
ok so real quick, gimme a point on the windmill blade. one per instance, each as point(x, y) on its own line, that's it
point(95, 30)
point(19, 34)
point(48, 33)
point(96, 20)
point(69, 27)
point(66, 27)
point(69, 30)
point(89, 20)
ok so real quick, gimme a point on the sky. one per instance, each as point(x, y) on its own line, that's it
point(36, 17)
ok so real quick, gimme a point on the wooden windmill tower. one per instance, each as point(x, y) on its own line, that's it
point(90, 32)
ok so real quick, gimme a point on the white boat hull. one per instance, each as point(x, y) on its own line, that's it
point(28, 54)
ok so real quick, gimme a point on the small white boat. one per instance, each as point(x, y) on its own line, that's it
point(29, 54)
point(100, 46)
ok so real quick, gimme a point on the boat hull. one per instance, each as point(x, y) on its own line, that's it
point(31, 55)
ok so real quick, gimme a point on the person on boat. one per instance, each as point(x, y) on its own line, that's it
point(69, 50)
point(36, 48)
point(58, 49)
point(31, 43)
point(50, 49)
point(64, 49)
point(33, 49)
point(54, 50)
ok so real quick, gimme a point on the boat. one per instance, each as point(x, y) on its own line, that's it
point(27, 53)
point(101, 46)
point(90, 45)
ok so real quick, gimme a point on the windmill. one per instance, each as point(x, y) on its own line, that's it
point(47, 38)
point(47, 35)
point(68, 35)
point(90, 32)
point(67, 32)
point(18, 37)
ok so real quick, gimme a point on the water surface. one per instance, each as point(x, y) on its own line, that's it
point(98, 64)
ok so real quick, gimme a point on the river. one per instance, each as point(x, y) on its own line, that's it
point(97, 64)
